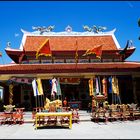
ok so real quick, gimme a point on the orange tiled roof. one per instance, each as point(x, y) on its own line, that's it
point(69, 68)
point(67, 43)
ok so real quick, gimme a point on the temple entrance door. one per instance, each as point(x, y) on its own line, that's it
point(26, 96)
point(71, 92)
point(77, 93)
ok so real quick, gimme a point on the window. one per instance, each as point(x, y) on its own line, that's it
point(46, 61)
point(59, 61)
point(33, 61)
point(107, 60)
point(70, 60)
point(25, 62)
point(116, 60)
point(95, 60)
point(83, 61)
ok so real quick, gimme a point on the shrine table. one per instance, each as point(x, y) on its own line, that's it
point(48, 114)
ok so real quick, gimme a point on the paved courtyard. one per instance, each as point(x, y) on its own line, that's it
point(83, 130)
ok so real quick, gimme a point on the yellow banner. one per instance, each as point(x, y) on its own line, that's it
point(90, 87)
point(115, 87)
point(104, 83)
point(39, 85)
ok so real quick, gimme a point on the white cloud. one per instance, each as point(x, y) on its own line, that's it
point(16, 34)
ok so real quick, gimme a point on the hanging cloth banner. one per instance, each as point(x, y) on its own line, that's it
point(115, 87)
point(90, 87)
point(97, 85)
point(39, 86)
point(35, 89)
point(54, 87)
point(76, 53)
point(58, 88)
point(21, 80)
point(100, 88)
point(110, 84)
point(104, 83)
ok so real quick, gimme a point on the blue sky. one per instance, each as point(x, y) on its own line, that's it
point(17, 15)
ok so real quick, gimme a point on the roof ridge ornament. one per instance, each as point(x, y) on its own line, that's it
point(25, 32)
point(8, 44)
point(68, 28)
point(43, 28)
point(68, 31)
point(94, 29)
point(87, 28)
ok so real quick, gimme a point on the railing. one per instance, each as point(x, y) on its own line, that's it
point(114, 115)
point(13, 117)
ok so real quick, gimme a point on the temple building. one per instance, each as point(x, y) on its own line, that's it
point(76, 59)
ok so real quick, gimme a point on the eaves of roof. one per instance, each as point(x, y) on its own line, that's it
point(70, 68)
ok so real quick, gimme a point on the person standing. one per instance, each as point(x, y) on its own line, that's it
point(65, 102)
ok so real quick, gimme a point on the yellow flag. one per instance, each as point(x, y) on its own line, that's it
point(104, 83)
point(76, 53)
point(90, 87)
point(96, 50)
point(39, 85)
point(44, 49)
point(115, 87)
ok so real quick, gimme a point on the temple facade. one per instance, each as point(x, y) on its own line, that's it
point(74, 58)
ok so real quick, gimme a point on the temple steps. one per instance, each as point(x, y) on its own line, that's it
point(83, 116)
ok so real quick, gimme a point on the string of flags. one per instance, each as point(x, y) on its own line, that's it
point(107, 85)
point(38, 89)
